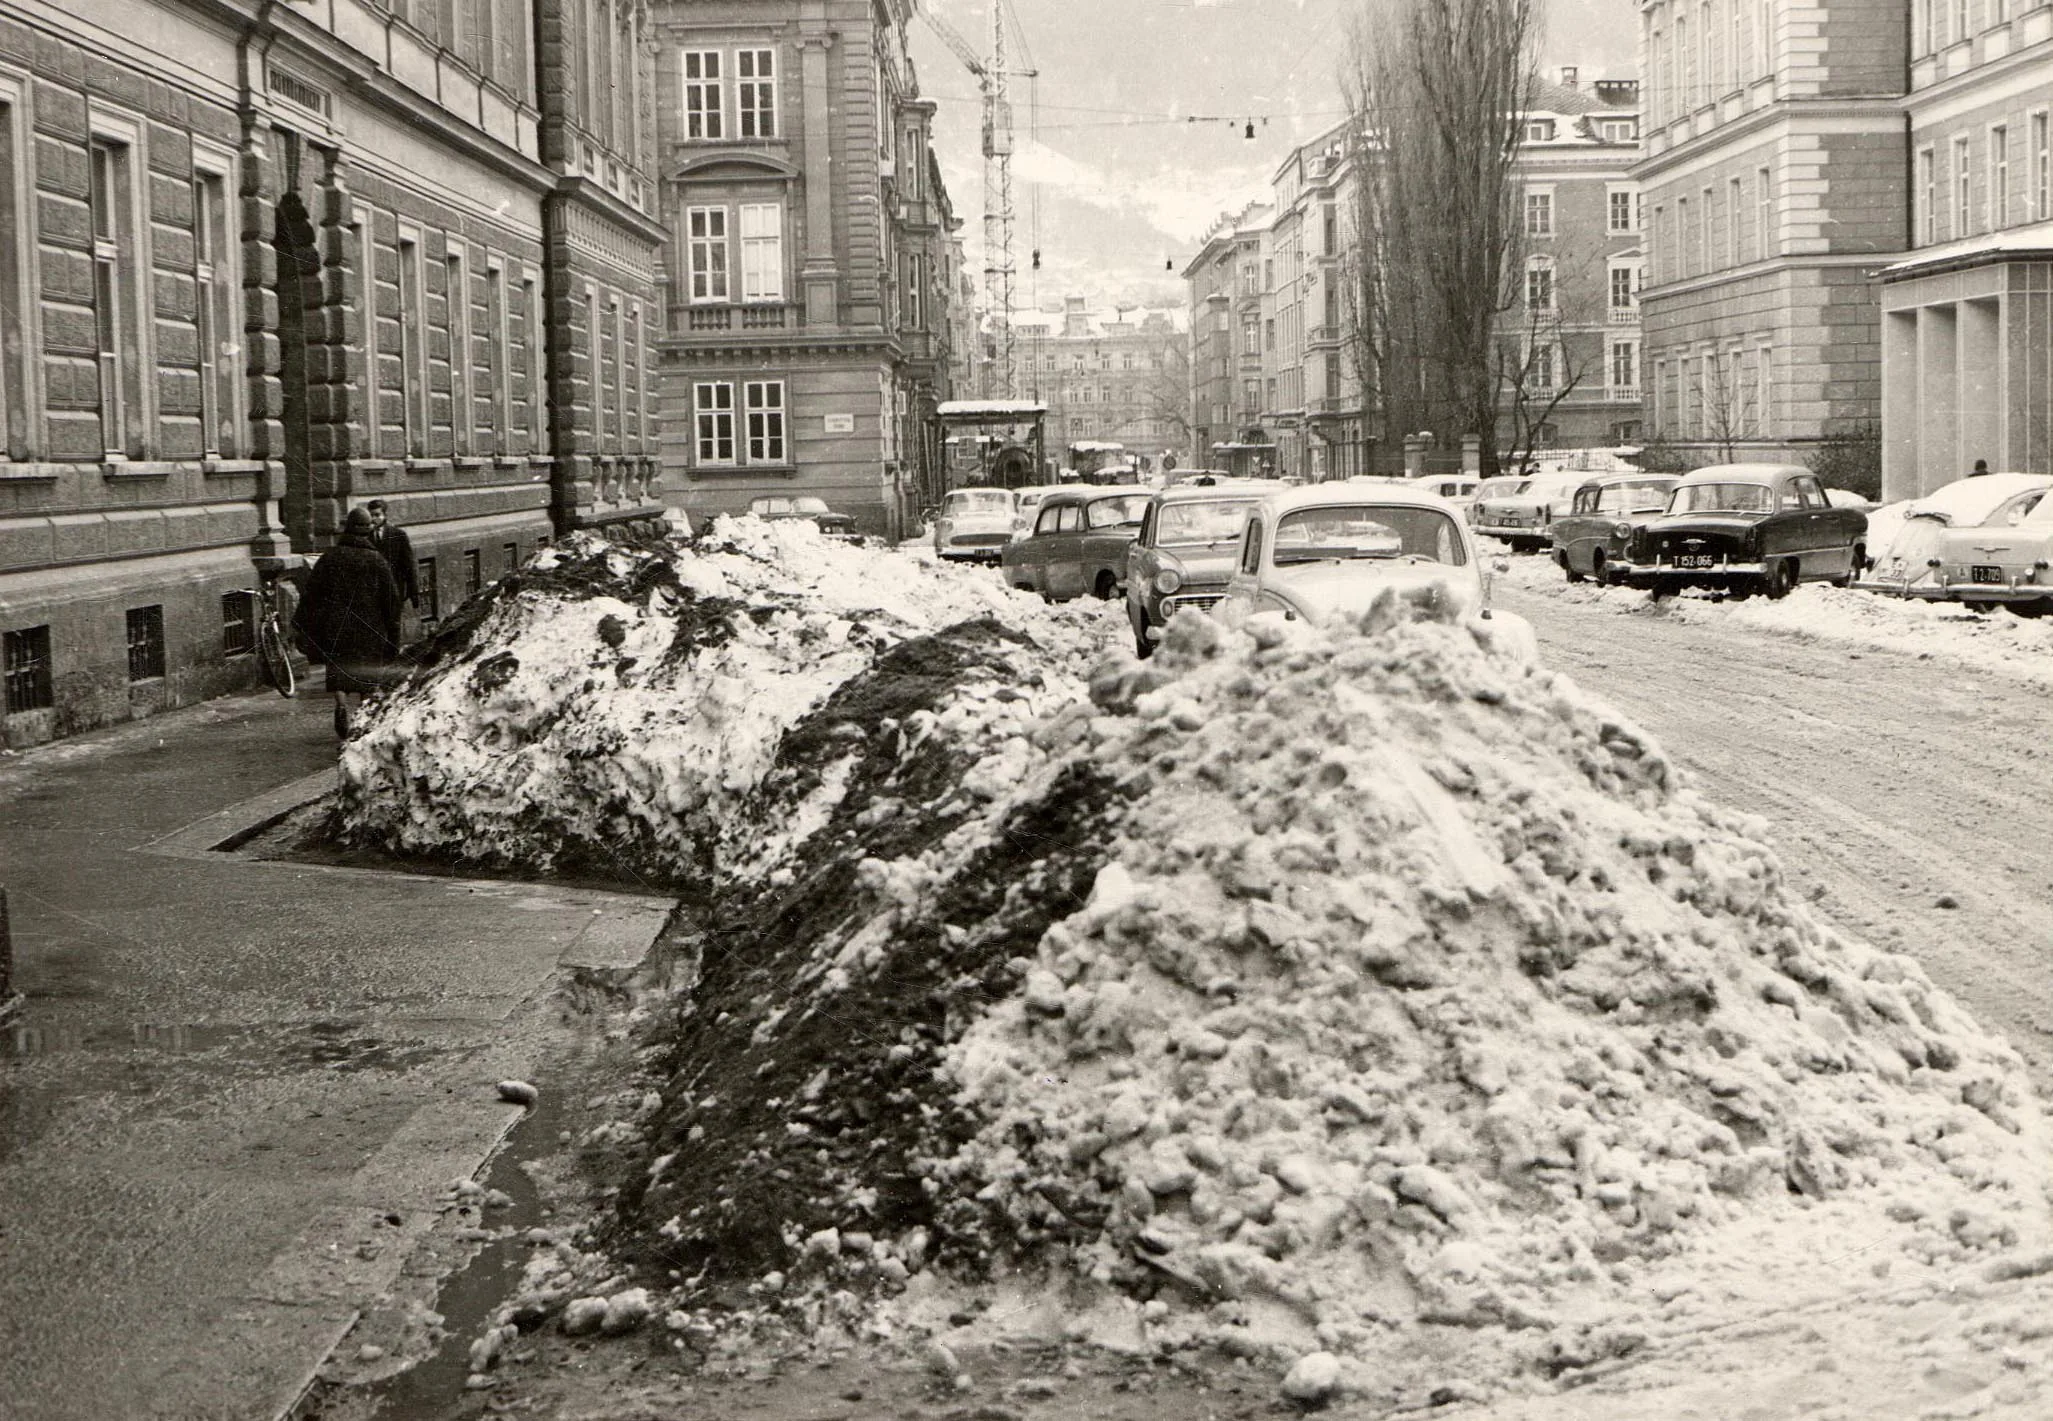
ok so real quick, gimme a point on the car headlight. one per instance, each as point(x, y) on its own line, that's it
point(1168, 580)
point(1621, 530)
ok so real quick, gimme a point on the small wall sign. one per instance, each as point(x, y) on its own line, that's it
point(840, 424)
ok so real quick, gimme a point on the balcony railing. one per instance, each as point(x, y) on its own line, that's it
point(1625, 315)
point(751, 318)
point(762, 318)
point(1324, 335)
point(709, 318)
point(1625, 394)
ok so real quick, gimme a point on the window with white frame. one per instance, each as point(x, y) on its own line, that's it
point(1763, 398)
point(1733, 221)
point(1539, 212)
point(616, 342)
point(118, 264)
point(764, 400)
point(713, 420)
point(1764, 214)
point(1764, 48)
point(706, 253)
point(1621, 210)
point(1682, 254)
point(1962, 215)
point(531, 331)
point(755, 93)
point(216, 301)
point(1923, 38)
point(1624, 286)
point(1539, 284)
point(1625, 364)
point(502, 356)
point(1539, 130)
point(762, 251)
point(1999, 177)
point(1961, 21)
point(705, 99)
point(1541, 366)
point(413, 347)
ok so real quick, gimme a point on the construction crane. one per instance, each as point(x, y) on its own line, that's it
point(992, 76)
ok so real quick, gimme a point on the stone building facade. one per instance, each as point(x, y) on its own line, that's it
point(1109, 380)
point(261, 263)
point(809, 275)
point(1773, 186)
point(1228, 304)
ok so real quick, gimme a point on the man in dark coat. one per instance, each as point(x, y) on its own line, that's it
point(391, 540)
point(350, 617)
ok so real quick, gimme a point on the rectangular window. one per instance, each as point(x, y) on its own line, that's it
point(755, 104)
point(1622, 290)
point(509, 554)
point(1733, 221)
point(117, 262)
point(1625, 364)
point(473, 573)
point(1961, 215)
point(1960, 20)
point(14, 243)
point(1619, 211)
point(1704, 233)
point(616, 336)
point(1928, 197)
point(713, 414)
point(1329, 221)
point(1999, 177)
point(1539, 214)
point(1682, 254)
point(1250, 337)
point(531, 333)
point(145, 643)
point(456, 305)
point(1764, 372)
point(215, 302)
point(1764, 215)
point(704, 100)
point(1539, 287)
point(765, 401)
point(238, 623)
point(413, 348)
point(431, 591)
point(762, 251)
point(27, 657)
point(502, 359)
point(2042, 170)
point(706, 255)
point(1540, 367)
point(914, 306)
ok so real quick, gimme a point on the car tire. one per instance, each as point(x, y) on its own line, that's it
point(1107, 587)
point(1855, 562)
point(1780, 580)
point(1568, 568)
point(1599, 573)
point(1142, 647)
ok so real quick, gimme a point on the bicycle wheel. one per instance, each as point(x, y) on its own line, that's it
point(275, 658)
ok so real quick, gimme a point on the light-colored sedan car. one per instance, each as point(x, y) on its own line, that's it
point(1525, 518)
point(1183, 554)
point(973, 524)
point(2006, 562)
point(1905, 539)
point(1329, 550)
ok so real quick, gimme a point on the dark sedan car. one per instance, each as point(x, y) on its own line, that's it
point(1746, 528)
point(1078, 544)
point(1594, 537)
point(1184, 552)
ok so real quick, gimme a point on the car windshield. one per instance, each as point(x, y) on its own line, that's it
point(1115, 512)
point(1368, 531)
point(1722, 498)
point(978, 500)
point(1500, 488)
point(1206, 522)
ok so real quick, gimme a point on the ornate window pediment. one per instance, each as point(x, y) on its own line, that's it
point(736, 166)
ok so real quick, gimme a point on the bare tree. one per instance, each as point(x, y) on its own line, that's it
point(1167, 392)
point(1437, 90)
point(1553, 345)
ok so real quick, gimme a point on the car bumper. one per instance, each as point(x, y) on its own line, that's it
point(1513, 530)
point(1937, 591)
point(1159, 611)
point(1647, 574)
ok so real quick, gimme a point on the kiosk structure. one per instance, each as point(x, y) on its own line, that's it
point(992, 443)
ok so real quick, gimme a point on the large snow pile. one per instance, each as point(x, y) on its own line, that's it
point(1355, 991)
point(618, 707)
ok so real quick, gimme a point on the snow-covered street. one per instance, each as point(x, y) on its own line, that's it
point(1360, 1010)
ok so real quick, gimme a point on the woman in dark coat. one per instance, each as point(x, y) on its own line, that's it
point(350, 615)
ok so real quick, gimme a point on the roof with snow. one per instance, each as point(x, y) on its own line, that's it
point(989, 409)
point(2032, 240)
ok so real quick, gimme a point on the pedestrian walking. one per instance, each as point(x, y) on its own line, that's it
point(349, 617)
point(397, 548)
point(1981, 467)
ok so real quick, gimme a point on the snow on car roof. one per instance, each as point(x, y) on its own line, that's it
point(1328, 494)
point(1966, 502)
point(1741, 473)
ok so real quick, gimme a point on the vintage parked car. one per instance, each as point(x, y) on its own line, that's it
point(1078, 545)
point(2005, 561)
point(1329, 550)
point(813, 510)
point(1183, 554)
point(1027, 503)
point(973, 524)
point(1591, 539)
point(1904, 539)
point(1524, 517)
point(1746, 528)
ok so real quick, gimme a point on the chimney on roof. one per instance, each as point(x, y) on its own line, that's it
point(1568, 76)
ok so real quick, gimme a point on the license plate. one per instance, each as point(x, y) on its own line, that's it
point(1696, 560)
point(1985, 574)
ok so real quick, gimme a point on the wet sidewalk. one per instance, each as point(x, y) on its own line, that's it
point(236, 1090)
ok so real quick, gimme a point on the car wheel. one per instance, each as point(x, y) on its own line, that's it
point(1561, 559)
point(2028, 610)
point(1107, 587)
point(1855, 562)
point(1781, 578)
point(1142, 647)
point(1659, 591)
point(1599, 573)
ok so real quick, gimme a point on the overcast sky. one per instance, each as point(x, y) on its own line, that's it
point(1119, 179)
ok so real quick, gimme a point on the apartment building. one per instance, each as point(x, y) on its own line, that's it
point(1109, 378)
point(1572, 355)
point(809, 275)
point(1230, 278)
point(1312, 401)
point(1967, 311)
point(1773, 186)
point(261, 262)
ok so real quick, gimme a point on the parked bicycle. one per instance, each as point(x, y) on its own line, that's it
point(274, 649)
